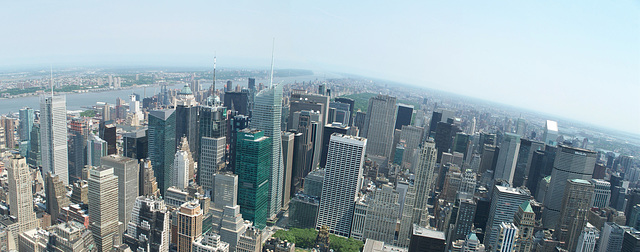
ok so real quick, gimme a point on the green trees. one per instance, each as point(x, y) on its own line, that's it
point(305, 238)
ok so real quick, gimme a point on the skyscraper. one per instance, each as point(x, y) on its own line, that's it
point(56, 196)
point(27, 117)
point(525, 220)
point(573, 215)
point(180, 177)
point(9, 125)
point(412, 137)
point(588, 238)
point(20, 196)
point(53, 133)
point(382, 213)
point(149, 225)
point(79, 134)
point(379, 125)
point(212, 144)
point(570, 163)
point(34, 156)
point(504, 204)
point(135, 144)
point(148, 186)
point(464, 218)
point(550, 133)
point(329, 129)
point(266, 116)
point(253, 164)
point(341, 182)
point(186, 114)
point(238, 101)
point(506, 164)
point(126, 169)
point(96, 149)
point(189, 225)
point(162, 145)
point(423, 240)
point(523, 165)
point(103, 220)
point(611, 237)
point(403, 117)
point(419, 192)
point(351, 103)
point(287, 160)
point(507, 237)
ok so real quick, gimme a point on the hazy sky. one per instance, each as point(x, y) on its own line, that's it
point(578, 59)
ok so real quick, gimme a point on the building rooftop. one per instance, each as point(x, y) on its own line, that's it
point(526, 207)
point(552, 125)
point(581, 181)
point(425, 232)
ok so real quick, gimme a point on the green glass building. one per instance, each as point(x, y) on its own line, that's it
point(253, 166)
point(162, 145)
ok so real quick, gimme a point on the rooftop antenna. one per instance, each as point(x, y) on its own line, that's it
point(214, 73)
point(273, 46)
point(51, 68)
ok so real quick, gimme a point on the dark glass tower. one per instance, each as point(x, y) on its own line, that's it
point(238, 101)
point(79, 132)
point(238, 123)
point(253, 166)
point(186, 120)
point(405, 112)
point(162, 145)
point(135, 144)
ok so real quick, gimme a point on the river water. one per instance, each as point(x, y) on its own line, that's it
point(80, 101)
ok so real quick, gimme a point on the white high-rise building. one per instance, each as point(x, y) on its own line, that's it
point(267, 113)
point(602, 193)
point(412, 136)
point(181, 169)
point(415, 202)
point(381, 217)
point(103, 194)
point(507, 240)
point(53, 134)
point(588, 239)
point(504, 205)
point(506, 165)
point(611, 237)
point(379, 125)
point(342, 181)
point(550, 134)
point(20, 195)
point(211, 156)
point(127, 171)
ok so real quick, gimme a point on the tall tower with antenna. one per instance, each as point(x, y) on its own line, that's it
point(213, 85)
point(53, 132)
point(266, 116)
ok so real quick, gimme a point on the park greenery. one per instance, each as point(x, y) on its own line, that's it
point(305, 238)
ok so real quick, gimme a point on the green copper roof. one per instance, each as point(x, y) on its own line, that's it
point(526, 207)
point(186, 90)
point(547, 178)
point(472, 236)
point(581, 181)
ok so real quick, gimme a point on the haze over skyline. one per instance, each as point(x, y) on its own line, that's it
point(580, 60)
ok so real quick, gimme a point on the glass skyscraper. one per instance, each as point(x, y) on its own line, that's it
point(162, 145)
point(253, 162)
point(266, 117)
